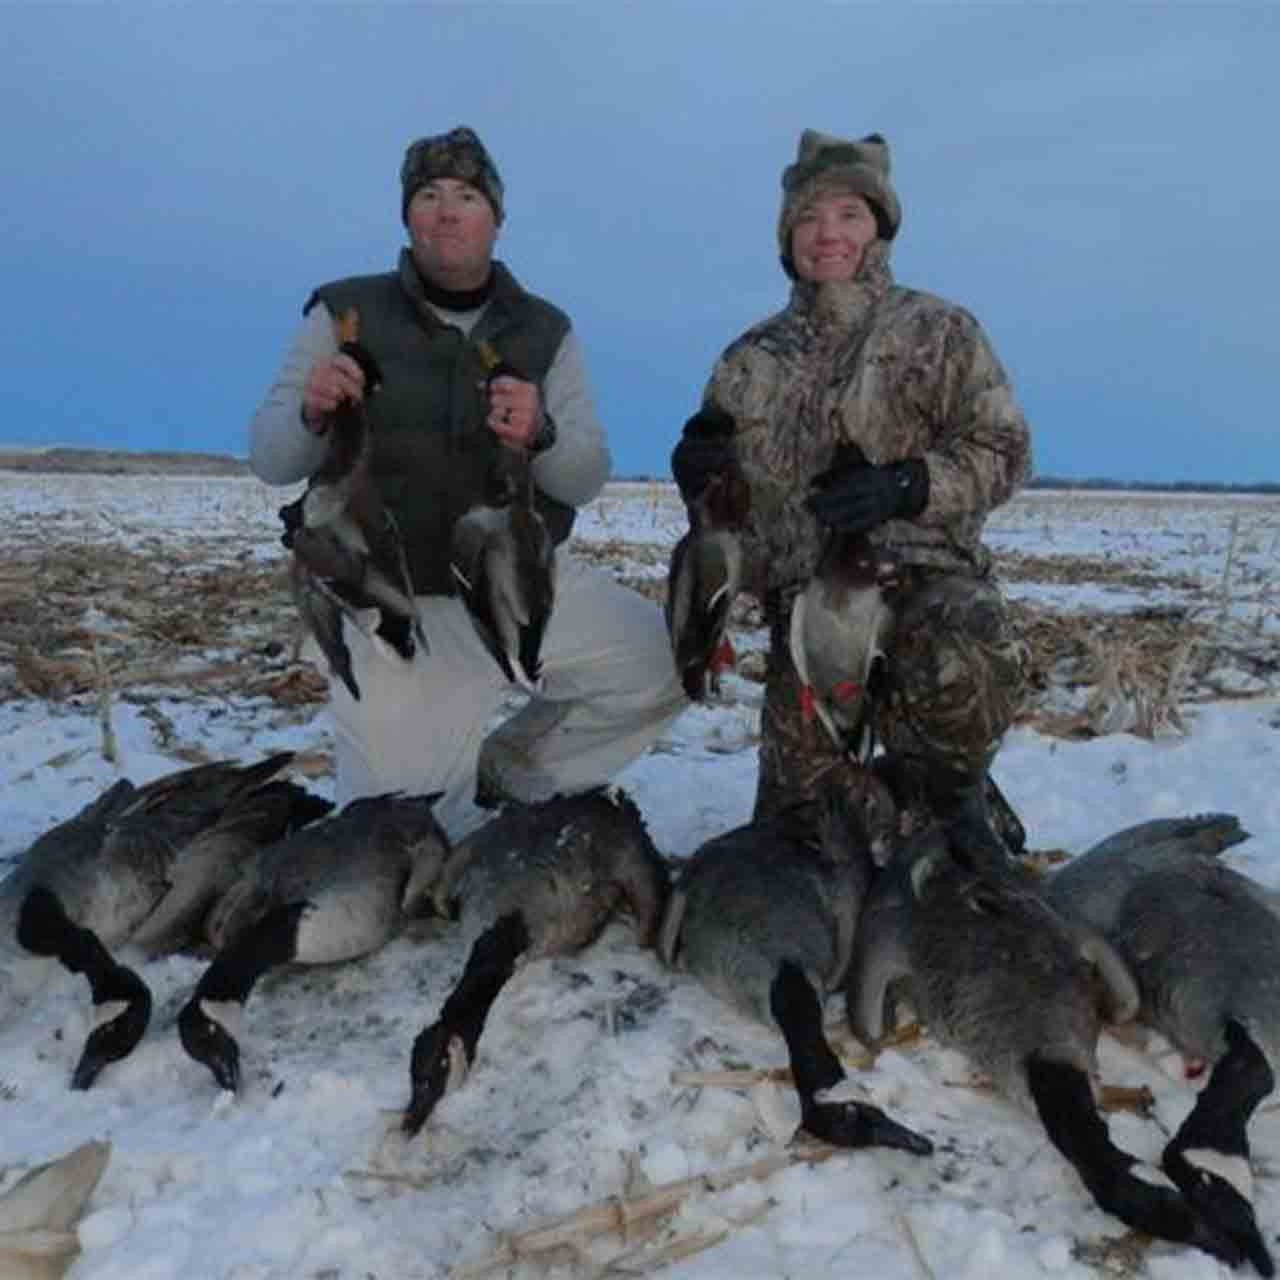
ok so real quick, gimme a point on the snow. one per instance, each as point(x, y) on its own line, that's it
point(572, 1100)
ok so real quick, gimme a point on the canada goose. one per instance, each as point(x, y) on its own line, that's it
point(997, 973)
point(536, 880)
point(1203, 942)
point(347, 551)
point(503, 561)
point(703, 577)
point(38, 1214)
point(765, 915)
point(839, 624)
point(331, 892)
point(141, 864)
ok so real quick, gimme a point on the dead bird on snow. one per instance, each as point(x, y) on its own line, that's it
point(997, 973)
point(38, 1214)
point(334, 891)
point(536, 880)
point(141, 865)
point(766, 915)
point(347, 552)
point(1203, 942)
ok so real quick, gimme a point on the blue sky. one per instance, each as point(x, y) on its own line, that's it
point(1096, 182)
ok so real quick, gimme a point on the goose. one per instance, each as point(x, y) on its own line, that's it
point(38, 1214)
point(348, 555)
point(141, 864)
point(703, 578)
point(839, 626)
point(998, 974)
point(765, 916)
point(1203, 942)
point(330, 892)
point(536, 880)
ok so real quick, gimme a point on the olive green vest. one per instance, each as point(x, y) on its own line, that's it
point(431, 448)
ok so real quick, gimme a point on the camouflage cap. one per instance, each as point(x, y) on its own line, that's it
point(823, 163)
point(457, 154)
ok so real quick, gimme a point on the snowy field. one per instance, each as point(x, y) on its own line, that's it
point(590, 1085)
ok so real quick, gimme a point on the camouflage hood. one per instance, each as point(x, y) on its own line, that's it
point(899, 372)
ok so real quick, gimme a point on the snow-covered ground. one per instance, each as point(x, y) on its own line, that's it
point(578, 1094)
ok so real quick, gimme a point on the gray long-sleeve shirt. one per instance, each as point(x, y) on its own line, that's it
point(573, 470)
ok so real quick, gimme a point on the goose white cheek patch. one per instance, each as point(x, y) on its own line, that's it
point(845, 1090)
point(107, 1011)
point(1233, 1170)
point(1152, 1176)
point(226, 1013)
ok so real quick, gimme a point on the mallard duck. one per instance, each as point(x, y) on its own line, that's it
point(503, 562)
point(839, 626)
point(348, 555)
point(703, 578)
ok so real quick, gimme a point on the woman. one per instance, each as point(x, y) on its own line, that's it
point(911, 380)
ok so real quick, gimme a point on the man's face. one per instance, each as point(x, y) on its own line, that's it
point(829, 236)
point(452, 230)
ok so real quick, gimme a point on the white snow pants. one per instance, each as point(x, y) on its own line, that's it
point(609, 688)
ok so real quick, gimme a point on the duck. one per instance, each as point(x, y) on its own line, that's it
point(998, 974)
point(536, 880)
point(39, 1213)
point(840, 623)
point(330, 892)
point(1203, 942)
point(502, 559)
point(704, 575)
point(140, 865)
point(765, 915)
point(348, 555)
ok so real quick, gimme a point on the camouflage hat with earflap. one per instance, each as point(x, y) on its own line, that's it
point(457, 154)
point(826, 163)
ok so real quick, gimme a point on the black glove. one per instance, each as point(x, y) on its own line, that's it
point(856, 498)
point(705, 449)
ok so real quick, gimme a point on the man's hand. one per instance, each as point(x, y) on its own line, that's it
point(330, 382)
point(857, 498)
point(516, 415)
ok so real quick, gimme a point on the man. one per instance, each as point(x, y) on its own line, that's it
point(434, 326)
point(902, 392)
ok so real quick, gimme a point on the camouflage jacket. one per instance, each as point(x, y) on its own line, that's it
point(901, 373)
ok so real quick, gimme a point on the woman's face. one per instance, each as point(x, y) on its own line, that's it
point(452, 228)
point(829, 236)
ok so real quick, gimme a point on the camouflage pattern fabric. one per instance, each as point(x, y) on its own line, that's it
point(957, 677)
point(457, 154)
point(901, 373)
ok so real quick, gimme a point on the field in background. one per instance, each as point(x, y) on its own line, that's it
point(148, 588)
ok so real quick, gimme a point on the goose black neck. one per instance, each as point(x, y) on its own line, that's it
point(1064, 1100)
point(489, 967)
point(798, 1012)
point(270, 941)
